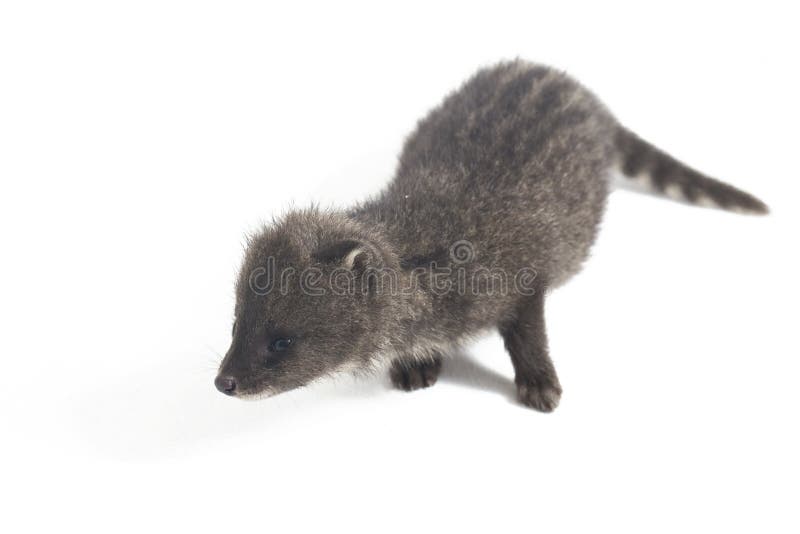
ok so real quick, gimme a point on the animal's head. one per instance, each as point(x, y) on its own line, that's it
point(309, 303)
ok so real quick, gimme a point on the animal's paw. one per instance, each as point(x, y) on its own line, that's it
point(539, 396)
point(409, 375)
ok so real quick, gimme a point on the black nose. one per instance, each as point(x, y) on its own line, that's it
point(225, 384)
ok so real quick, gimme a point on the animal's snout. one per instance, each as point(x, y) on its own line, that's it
point(225, 384)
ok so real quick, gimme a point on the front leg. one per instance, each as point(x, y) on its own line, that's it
point(526, 341)
point(411, 372)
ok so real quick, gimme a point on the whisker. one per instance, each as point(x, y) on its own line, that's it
point(216, 353)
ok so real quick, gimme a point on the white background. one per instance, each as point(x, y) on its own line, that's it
point(139, 141)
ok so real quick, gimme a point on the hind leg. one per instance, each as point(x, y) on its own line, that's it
point(409, 373)
point(526, 341)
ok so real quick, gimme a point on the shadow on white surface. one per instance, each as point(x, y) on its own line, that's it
point(149, 417)
point(463, 370)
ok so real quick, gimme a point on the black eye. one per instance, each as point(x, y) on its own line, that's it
point(233, 329)
point(280, 344)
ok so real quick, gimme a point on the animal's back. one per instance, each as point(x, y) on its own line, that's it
point(514, 162)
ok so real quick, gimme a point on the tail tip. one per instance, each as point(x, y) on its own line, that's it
point(750, 205)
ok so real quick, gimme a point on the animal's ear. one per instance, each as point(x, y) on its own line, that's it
point(348, 254)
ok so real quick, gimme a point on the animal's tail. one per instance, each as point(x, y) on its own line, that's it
point(660, 172)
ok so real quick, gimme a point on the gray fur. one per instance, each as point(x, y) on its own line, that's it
point(514, 166)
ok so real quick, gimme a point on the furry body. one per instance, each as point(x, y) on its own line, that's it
point(509, 175)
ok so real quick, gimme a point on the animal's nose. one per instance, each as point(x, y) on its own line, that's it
point(225, 384)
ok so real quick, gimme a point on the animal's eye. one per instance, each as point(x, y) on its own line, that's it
point(233, 328)
point(280, 344)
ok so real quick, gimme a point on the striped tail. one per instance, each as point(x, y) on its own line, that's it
point(663, 174)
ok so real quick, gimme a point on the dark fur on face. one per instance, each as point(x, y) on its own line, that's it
point(298, 331)
point(509, 175)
